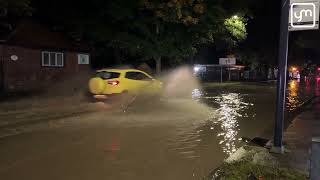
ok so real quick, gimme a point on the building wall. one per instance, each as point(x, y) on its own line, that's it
point(27, 73)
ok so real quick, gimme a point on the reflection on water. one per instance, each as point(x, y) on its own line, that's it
point(292, 98)
point(300, 91)
point(233, 113)
point(231, 108)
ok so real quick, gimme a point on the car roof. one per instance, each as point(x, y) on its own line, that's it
point(120, 70)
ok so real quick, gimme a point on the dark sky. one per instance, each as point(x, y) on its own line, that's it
point(263, 35)
point(263, 29)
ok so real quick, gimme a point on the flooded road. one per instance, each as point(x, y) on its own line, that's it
point(176, 138)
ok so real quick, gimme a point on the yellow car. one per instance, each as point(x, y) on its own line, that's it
point(109, 82)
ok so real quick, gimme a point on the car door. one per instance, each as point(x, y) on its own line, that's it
point(137, 82)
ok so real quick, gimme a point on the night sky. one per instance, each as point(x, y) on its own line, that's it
point(263, 35)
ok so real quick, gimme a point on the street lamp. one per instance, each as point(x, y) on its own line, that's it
point(235, 17)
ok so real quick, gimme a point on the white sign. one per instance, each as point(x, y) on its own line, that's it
point(83, 59)
point(14, 58)
point(227, 61)
point(303, 15)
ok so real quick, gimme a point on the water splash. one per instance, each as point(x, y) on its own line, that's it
point(180, 83)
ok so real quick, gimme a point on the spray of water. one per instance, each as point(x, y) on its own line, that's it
point(180, 83)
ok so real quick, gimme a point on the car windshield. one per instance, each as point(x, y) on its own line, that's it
point(108, 75)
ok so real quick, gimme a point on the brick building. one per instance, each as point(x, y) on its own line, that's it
point(33, 56)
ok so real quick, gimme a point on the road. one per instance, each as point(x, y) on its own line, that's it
point(177, 138)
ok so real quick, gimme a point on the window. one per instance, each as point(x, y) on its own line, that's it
point(108, 75)
point(52, 59)
point(45, 59)
point(137, 76)
point(83, 59)
point(59, 60)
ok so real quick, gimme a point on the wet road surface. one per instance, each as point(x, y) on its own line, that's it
point(176, 138)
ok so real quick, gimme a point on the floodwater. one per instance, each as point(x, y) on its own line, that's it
point(175, 138)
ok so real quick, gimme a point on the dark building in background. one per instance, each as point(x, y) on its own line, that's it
point(33, 56)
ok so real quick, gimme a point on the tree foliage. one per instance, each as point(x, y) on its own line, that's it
point(10, 11)
point(179, 27)
point(146, 28)
point(14, 7)
point(237, 27)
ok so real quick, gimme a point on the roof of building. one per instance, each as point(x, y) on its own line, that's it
point(35, 35)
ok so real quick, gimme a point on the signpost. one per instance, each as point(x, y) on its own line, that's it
point(282, 78)
point(304, 15)
point(227, 61)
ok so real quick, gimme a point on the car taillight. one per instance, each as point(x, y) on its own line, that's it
point(113, 83)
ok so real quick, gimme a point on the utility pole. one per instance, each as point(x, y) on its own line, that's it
point(282, 77)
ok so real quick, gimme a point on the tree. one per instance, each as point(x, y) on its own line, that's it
point(176, 28)
point(10, 11)
point(14, 7)
point(150, 29)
